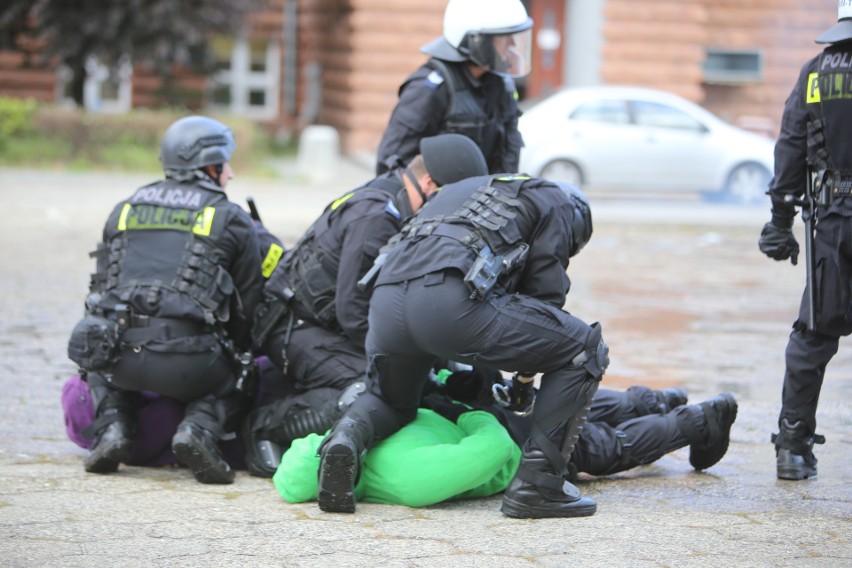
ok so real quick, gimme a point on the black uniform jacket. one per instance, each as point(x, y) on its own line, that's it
point(543, 221)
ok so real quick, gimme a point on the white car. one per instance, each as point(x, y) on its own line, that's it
point(636, 139)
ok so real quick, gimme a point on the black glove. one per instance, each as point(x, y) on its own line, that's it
point(445, 406)
point(778, 242)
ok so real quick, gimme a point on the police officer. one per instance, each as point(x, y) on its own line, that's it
point(178, 271)
point(479, 277)
point(313, 322)
point(624, 429)
point(467, 86)
point(814, 141)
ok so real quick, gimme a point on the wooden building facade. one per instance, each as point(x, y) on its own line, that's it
point(340, 62)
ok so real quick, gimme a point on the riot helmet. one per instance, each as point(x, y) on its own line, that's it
point(581, 225)
point(496, 34)
point(452, 157)
point(842, 30)
point(193, 142)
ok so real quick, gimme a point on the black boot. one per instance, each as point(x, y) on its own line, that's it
point(198, 449)
point(794, 458)
point(270, 429)
point(113, 445)
point(196, 441)
point(670, 398)
point(340, 464)
point(709, 434)
point(538, 493)
point(112, 429)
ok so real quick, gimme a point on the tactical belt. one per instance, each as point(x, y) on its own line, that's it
point(143, 328)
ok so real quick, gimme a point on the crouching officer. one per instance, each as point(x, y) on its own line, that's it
point(479, 277)
point(177, 271)
point(313, 320)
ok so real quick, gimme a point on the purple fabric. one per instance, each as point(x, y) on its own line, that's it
point(157, 419)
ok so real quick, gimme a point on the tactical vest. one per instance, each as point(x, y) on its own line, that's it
point(311, 271)
point(160, 258)
point(829, 88)
point(465, 115)
point(478, 216)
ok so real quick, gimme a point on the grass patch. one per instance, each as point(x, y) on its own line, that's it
point(46, 136)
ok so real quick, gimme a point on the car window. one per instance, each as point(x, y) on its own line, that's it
point(663, 116)
point(609, 111)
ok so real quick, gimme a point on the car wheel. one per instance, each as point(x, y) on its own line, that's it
point(747, 183)
point(563, 170)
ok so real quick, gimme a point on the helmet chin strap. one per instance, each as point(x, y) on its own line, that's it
point(416, 184)
point(218, 168)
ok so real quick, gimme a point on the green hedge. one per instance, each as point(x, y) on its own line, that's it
point(35, 135)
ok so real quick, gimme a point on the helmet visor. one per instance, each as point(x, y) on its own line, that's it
point(512, 53)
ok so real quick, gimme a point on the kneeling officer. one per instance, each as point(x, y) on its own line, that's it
point(178, 269)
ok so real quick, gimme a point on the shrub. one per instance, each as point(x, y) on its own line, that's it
point(48, 135)
point(15, 117)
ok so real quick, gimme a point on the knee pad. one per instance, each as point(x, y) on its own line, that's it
point(595, 355)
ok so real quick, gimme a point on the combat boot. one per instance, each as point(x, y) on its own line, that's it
point(709, 444)
point(196, 441)
point(794, 458)
point(113, 427)
point(270, 429)
point(537, 492)
point(341, 455)
point(198, 449)
point(113, 445)
point(671, 398)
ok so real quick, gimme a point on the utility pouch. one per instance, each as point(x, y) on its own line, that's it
point(488, 267)
point(94, 343)
point(268, 314)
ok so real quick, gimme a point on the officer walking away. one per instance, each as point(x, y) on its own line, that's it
point(178, 270)
point(467, 86)
point(313, 320)
point(813, 149)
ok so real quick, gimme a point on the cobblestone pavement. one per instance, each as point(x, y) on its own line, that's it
point(684, 297)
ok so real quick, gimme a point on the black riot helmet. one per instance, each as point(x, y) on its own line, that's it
point(193, 142)
point(452, 157)
point(581, 225)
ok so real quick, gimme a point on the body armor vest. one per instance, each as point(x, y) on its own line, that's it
point(481, 218)
point(311, 271)
point(161, 256)
point(465, 114)
point(828, 141)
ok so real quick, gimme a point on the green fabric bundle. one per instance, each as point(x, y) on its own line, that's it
point(428, 461)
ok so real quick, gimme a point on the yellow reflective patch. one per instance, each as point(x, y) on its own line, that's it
point(143, 217)
point(204, 222)
point(122, 219)
point(513, 177)
point(812, 96)
point(341, 200)
point(271, 260)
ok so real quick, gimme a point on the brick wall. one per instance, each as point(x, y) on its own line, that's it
point(371, 46)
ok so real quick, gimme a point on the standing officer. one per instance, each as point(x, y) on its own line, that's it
point(178, 271)
point(467, 86)
point(313, 321)
point(814, 140)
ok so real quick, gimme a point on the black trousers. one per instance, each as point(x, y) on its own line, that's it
point(623, 431)
point(808, 352)
point(316, 357)
point(185, 369)
point(412, 324)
